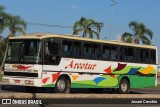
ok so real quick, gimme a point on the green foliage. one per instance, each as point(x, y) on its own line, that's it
point(3, 43)
point(13, 23)
point(0, 76)
point(140, 33)
point(127, 37)
point(88, 27)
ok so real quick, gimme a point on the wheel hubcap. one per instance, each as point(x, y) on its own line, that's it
point(60, 85)
point(124, 87)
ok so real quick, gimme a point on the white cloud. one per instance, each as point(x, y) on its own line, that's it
point(73, 6)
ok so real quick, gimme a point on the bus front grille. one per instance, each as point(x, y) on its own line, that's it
point(25, 74)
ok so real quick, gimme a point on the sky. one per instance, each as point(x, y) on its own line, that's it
point(66, 12)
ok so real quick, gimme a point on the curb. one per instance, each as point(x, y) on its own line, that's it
point(75, 96)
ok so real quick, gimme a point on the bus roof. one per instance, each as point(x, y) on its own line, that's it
point(76, 37)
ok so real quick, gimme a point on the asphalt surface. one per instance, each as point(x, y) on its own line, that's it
point(21, 89)
point(84, 95)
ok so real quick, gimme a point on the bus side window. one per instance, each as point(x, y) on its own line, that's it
point(130, 54)
point(113, 52)
point(96, 51)
point(87, 51)
point(52, 54)
point(153, 56)
point(54, 48)
point(77, 49)
point(46, 52)
point(46, 48)
point(106, 54)
point(139, 55)
point(146, 56)
point(67, 48)
point(123, 53)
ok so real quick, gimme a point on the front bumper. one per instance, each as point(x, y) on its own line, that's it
point(21, 81)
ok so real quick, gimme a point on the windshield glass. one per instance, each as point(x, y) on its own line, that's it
point(31, 50)
point(24, 51)
point(14, 51)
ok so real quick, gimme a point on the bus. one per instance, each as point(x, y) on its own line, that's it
point(158, 74)
point(63, 62)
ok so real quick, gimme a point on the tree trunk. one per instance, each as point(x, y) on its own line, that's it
point(84, 34)
point(136, 40)
point(4, 57)
point(11, 33)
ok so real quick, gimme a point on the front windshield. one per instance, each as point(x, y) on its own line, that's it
point(14, 52)
point(24, 51)
point(31, 50)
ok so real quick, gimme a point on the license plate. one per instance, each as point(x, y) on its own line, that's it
point(17, 81)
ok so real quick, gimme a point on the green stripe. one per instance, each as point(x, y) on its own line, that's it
point(78, 85)
point(49, 85)
point(142, 81)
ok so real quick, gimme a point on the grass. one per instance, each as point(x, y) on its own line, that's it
point(0, 77)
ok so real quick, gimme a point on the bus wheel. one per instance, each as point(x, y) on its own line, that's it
point(113, 90)
point(31, 89)
point(62, 85)
point(2, 87)
point(96, 90)
point(123, 86)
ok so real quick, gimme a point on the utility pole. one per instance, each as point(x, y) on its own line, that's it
point(110, 24)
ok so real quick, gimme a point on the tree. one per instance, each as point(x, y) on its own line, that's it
point(87, 27)
point(3, 43)
point(1, 38)
point(2, 16)
point(13, 23)
point(127, 37)
point(140, 33)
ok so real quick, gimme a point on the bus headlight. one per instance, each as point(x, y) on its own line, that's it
point(35, 71)
point(5, 80)
point(29, 82)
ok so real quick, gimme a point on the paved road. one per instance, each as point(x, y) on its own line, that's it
point(21, 89)
point(18, 90)
point(42, 93)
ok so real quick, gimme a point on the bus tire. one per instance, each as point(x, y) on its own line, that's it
point(123, 86)
point(62, 85)
point(31, 89)
point(114, 91)
point(96, 90)
point(2, 87)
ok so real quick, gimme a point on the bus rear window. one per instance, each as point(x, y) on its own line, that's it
point(153, 56)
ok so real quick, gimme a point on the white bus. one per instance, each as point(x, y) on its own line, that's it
point(64, 62)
